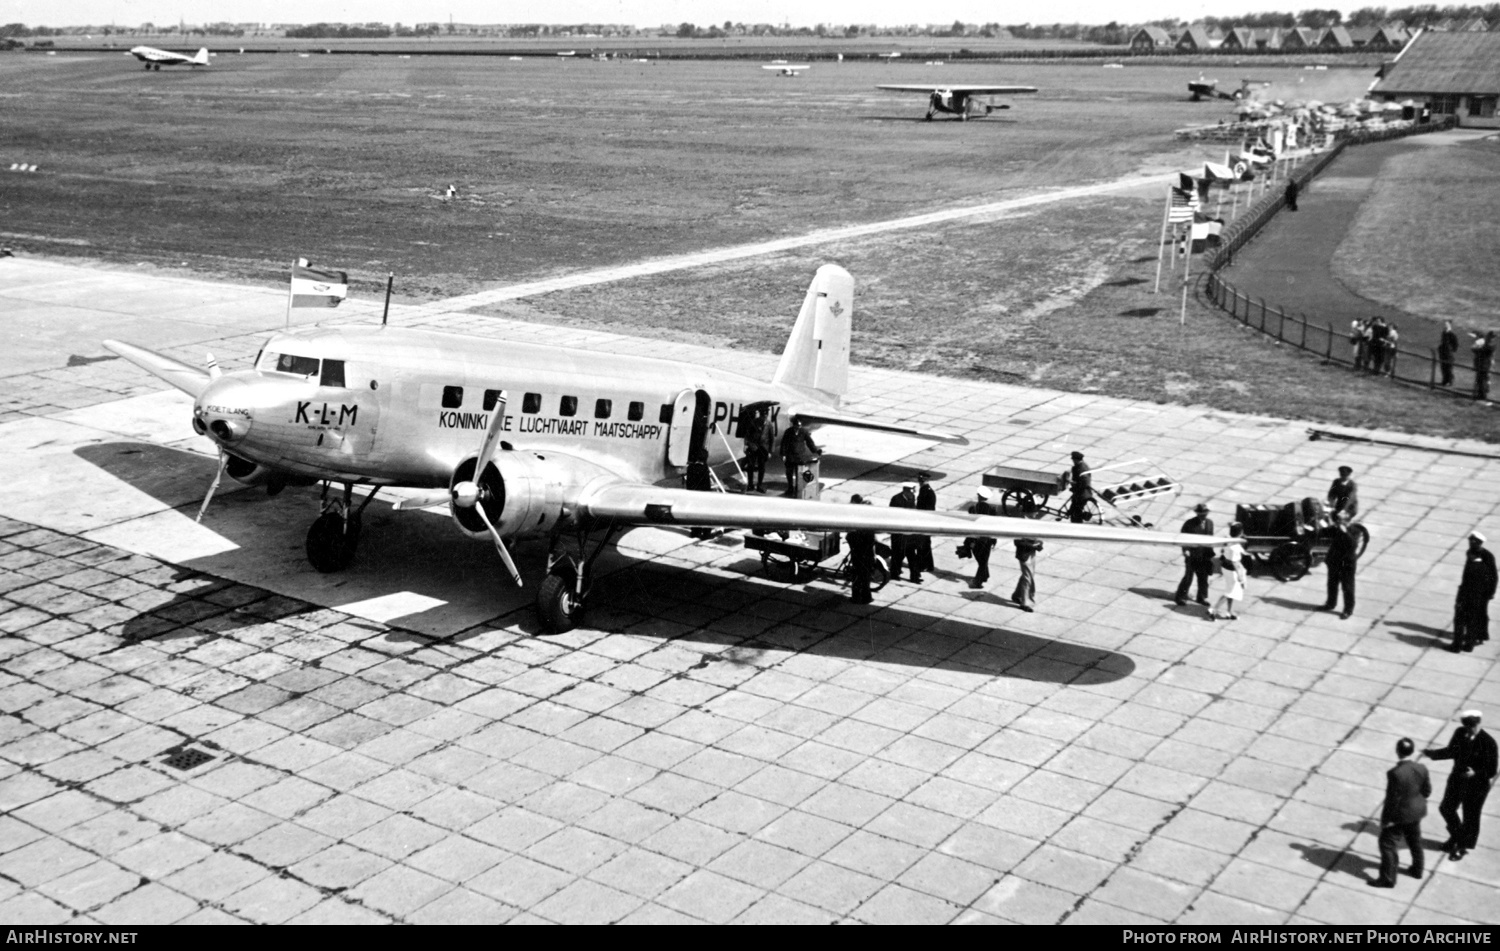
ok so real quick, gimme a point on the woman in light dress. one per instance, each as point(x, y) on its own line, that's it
point(1232, 567)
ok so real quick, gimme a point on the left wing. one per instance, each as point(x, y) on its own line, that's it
point(638, 504)
point(822, 416)
point(966, 89)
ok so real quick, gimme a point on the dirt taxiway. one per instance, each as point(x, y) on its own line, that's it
point(397, 744)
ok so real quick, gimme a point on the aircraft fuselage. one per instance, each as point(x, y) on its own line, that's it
point(389, 406)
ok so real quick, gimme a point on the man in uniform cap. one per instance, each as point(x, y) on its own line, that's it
point(980, 546)
point(1343, 495)
point(1083, 489)
point(904, 547)
point(1471, 610)
point(926, 502)
point(1198, 563)
point(1473, 753)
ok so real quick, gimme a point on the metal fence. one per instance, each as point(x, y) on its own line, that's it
point(1419, 366)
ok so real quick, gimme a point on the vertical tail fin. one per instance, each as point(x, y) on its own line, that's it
point(817, 353)
point(201, 59)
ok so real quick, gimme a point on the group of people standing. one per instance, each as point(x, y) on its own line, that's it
point(1375, 344)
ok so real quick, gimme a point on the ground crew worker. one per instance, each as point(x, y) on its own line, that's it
point(1025, 594)
point(1471, 610)
point(1343, 495)
point(1197, 563)
point(1343, 554)
point(904, 547)
point(861, 559)
point(1083, 489)
point(760, 436)
point(797, 450)
point(926, 502)
point(980, 546)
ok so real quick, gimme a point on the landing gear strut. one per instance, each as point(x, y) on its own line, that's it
point(563, 594)
point(334, 536)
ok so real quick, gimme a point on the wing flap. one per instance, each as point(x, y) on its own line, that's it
point(188, 379)
point(652, 505)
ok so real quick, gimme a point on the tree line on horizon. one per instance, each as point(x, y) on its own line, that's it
point(1109, 34)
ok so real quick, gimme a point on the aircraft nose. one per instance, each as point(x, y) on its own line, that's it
point(223, 412)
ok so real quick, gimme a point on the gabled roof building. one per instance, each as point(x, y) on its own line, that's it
point(1456, 74)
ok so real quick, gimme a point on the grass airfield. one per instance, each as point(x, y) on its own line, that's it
point(397, 744)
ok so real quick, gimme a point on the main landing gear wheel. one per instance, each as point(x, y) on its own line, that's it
point(331, 543)
point(557, 605)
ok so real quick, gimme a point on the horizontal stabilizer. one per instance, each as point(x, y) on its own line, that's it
point(822, 417)
point(636, 504)
point(190, 380)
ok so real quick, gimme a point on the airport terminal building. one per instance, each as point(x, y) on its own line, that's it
point(1456, 74)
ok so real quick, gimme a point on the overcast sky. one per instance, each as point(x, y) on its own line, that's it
point(638, 12)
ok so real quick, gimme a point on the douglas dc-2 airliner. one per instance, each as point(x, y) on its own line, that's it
point(598, 443)
point(156, 59)
point(959, 100)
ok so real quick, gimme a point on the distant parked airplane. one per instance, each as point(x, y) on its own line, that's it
point(1209, 88)
point(156, 59)
point(784, 68)
point(959, 100)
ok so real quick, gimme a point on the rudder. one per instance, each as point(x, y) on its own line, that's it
point(817, 352)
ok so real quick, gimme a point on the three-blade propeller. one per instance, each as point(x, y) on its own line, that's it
point(472, 493)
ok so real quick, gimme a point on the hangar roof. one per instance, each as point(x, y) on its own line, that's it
point(1438, 62)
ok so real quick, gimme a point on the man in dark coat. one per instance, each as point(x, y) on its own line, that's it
point(1292, 191)
point(1343, 495)
point(981, 546)
point(760, 439)
point(926, 502)
point(1473, 753)
point(1447, 349)
point(1025, 594)
point(1407, 787)
point(1197, 563)
point(904, 547)
point(861, 559)
point(797, 450)
point(1471, 609)
point(1343, 556)
point(1082, 481)
point(1484, 356)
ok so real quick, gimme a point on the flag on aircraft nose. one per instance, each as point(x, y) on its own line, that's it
point(315, 288)
point(1182, 207)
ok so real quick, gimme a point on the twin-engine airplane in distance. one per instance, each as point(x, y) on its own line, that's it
point(787, 69)
point(156, 59)
point(959, 100)
point(522, 440)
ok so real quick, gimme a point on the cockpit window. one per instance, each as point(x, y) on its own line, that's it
point(291, 363)
point(333, 373)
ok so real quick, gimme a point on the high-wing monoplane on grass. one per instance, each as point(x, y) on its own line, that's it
point(522, 440)
point(783, 68)
point(1201, 88)
point(959, 100)
point(156, 59)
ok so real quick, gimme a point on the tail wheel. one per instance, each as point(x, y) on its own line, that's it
point(557, 604)
point(1361, 536)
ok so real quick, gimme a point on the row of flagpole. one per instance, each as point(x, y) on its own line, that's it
point(1184, 206)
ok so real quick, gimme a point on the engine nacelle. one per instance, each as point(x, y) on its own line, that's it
point(246, 472)
point(526, 493)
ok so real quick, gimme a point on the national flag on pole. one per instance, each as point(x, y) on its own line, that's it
point(1216, 174)
point(1206, 233)
point(315, 288)
point(1197, 189)
point(1183, 204)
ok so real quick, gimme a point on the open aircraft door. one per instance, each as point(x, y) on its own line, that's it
point(691, 412)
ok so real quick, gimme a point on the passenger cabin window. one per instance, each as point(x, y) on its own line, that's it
point(291, 363)
point(491, 397)
point(333, 373)
point(602, 408)
point(531, 403)
point(568, 406)
point(637, 411)
point(453, 397)
point(665, 416)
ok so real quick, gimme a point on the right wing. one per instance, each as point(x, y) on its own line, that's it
point(640, 504)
